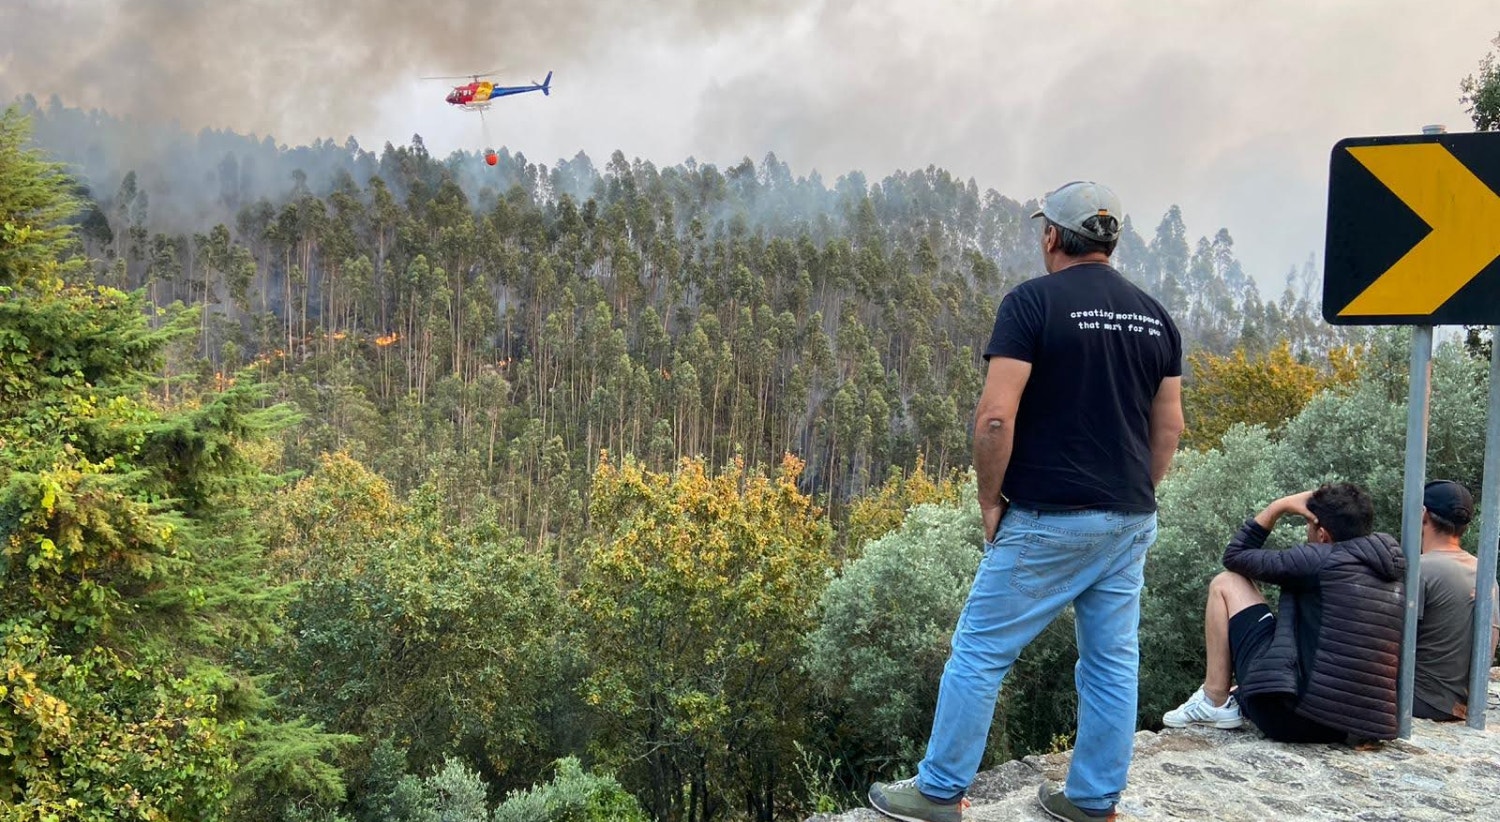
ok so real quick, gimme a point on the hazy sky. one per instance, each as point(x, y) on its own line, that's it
point(1226, 108)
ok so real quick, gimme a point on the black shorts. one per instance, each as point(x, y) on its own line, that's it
point(1251, 633)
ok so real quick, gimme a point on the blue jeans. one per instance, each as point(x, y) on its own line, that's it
point(1041, 562)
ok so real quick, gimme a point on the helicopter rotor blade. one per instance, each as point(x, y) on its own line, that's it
point(465, 76)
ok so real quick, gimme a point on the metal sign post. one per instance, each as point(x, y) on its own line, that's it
point(1418, 400)
point(1489, 546)
point(1418, 396)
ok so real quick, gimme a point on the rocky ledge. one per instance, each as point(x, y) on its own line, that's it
point(1445, 771)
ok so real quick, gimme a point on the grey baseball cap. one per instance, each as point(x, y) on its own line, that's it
point(1071, 205)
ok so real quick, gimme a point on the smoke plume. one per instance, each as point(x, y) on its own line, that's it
point(305, 68)
point(1226, 109)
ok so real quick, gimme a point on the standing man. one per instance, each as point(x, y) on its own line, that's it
point(1445, 609)
point(1077, 424)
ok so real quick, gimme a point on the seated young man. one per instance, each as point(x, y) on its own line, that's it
point(1445, 606)
point(1323, 668)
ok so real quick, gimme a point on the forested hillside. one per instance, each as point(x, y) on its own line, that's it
point(457, 480)
point(503, 326)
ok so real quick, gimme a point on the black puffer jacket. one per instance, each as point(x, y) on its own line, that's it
point(1345, 601)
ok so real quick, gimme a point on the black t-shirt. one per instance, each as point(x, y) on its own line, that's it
point(1099, 348)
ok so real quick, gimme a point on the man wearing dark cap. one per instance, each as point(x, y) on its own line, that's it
point(1445, 608)
point(1077, 423)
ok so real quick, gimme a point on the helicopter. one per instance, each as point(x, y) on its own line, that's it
point(477, 94)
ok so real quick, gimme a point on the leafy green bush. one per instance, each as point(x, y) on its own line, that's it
point(885, 625)
point(692, 606)
point(573, 795)
point(1202, 502)
point(441, 635)
point(454, 794)
point(1360, 436)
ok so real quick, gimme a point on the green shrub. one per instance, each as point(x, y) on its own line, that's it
point(573, 795)
point(886, 622)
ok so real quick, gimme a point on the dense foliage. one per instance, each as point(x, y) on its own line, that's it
point(691, 608)
point(130, 582)
point(1481, 93)
point(1267, 389)
point(611, 494)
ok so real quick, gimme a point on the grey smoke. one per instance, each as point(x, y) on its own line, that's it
point(1228, 109)
point(306, 68)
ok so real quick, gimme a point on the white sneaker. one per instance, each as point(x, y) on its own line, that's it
point(1199, 711)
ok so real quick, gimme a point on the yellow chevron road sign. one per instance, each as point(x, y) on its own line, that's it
point(1414, 231)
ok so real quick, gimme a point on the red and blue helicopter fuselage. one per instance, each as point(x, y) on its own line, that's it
point(479, 93)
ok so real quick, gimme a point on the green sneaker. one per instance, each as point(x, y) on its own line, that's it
point(1059, 806)
point(901, 800)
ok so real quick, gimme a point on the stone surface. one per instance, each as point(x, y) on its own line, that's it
point(1445, 771)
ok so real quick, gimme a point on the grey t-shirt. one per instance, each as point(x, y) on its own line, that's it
point(1445, 620)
